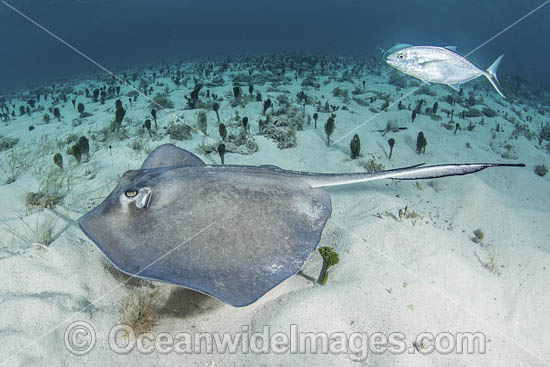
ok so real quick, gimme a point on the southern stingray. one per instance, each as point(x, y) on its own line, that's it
point(232, 232)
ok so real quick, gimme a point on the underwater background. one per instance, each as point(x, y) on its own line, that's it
point(90, 88)
point(123, 33)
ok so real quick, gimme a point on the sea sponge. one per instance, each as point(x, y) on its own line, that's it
point(489, 112)
point(58, 160)
point(161, 101)
point(472, 112)
point(541, 170)
point(179, 131)
point(202, 122)
point(7, 143)
point(479, 235)
point(285, 137)
point(355, 146)
point(329, 129)
point(330, 258)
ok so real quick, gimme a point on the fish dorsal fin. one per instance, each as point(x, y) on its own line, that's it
point(452, 48)
point(168, 155)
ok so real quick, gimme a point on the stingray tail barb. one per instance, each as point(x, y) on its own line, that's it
point(416, 172)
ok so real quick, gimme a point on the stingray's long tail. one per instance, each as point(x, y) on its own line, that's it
point(417, 172)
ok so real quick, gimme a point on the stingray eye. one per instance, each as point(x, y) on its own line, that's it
point(131, 193)
point(138, 198)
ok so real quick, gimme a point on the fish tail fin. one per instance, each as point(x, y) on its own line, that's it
point(491, 75)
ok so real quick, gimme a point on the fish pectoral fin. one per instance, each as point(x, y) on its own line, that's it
point(455, 87)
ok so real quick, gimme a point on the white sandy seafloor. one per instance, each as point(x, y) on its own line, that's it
point(396, 275)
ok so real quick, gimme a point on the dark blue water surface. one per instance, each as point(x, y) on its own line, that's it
point(124, 33)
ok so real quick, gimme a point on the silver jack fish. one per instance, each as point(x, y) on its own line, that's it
point(441, 65)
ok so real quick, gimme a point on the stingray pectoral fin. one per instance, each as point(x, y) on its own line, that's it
point(417, 172)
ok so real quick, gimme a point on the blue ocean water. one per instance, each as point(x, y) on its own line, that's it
point(121, 33)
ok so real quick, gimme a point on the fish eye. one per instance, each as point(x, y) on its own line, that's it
point(131, 193)
point(401, 56)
